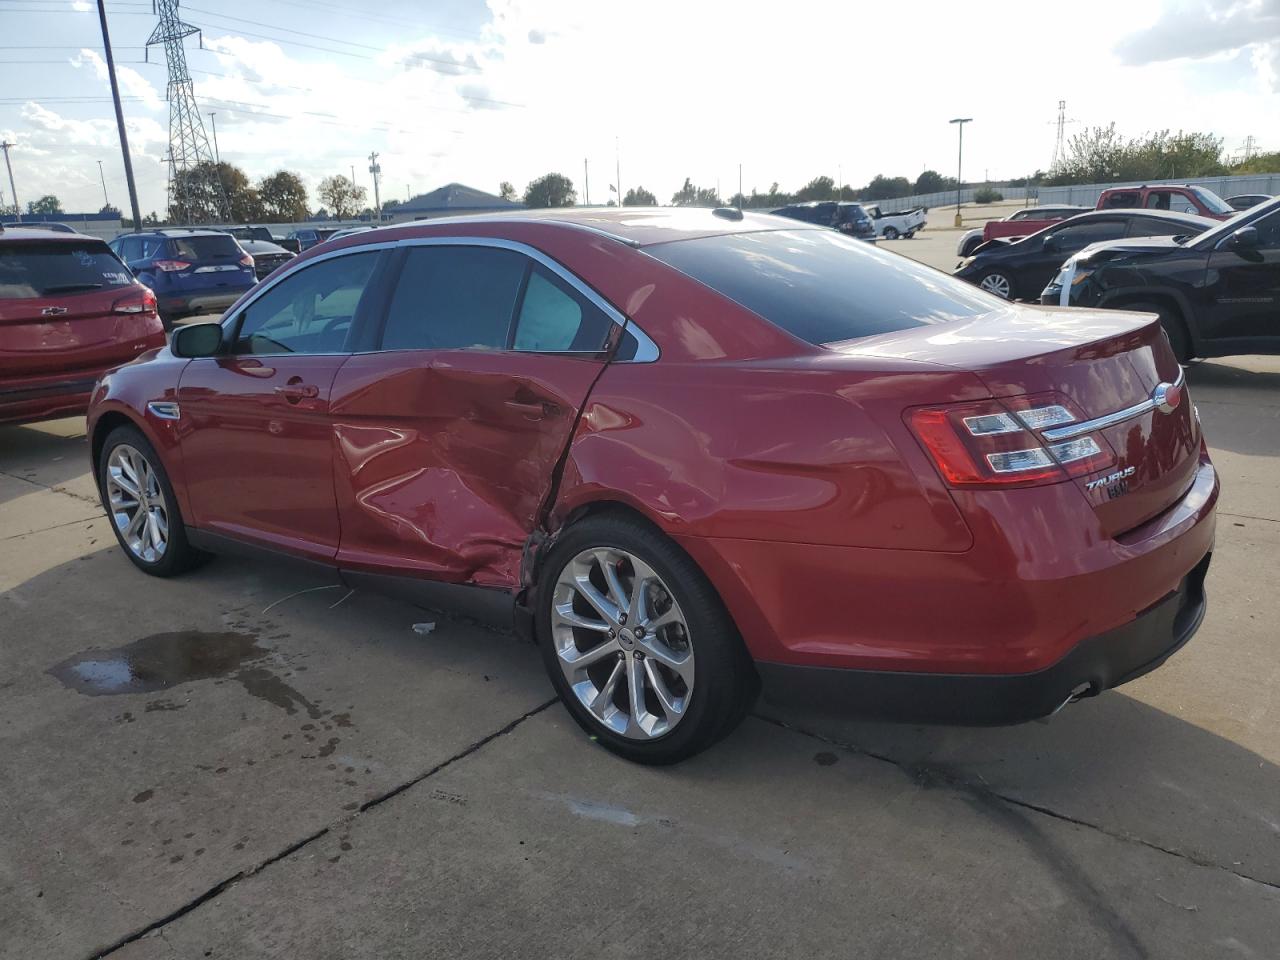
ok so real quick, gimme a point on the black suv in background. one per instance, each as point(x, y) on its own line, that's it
point(1217, 293)
point(843, 215)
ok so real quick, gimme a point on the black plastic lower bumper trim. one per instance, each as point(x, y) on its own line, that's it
point(1096, 664)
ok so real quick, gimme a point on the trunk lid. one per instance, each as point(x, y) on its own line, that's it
point(1101, 363)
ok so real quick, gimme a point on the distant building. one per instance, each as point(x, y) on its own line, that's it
point(451, 200)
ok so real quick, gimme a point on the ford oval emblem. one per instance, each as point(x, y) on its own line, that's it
point(1166, 397)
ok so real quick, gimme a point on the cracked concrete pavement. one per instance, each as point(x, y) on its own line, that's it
point(304, 775)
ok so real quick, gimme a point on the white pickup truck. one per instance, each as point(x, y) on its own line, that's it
point(891, 226)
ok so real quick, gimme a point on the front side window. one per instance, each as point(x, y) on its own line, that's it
point(310, 311)
point(1122, 199)
point(1268, 231)
point(454, 298)
point(555, 318)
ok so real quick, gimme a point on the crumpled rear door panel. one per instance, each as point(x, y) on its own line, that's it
point(444, 458)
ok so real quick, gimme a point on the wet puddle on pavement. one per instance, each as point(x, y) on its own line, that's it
point(164, 660)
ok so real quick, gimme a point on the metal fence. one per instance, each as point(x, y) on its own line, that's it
point(947, 198)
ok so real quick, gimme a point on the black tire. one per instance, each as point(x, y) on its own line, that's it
point(1175, 327)
point(995, 277)
point(891, 233)
point(178, 556)
point(725, 684)
point(970, 245)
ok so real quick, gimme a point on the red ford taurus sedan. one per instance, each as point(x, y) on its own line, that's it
point(690, 451)
point(69, 310)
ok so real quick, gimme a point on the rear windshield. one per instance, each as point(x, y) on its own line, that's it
point(36, 269)
point(204, 248)
point(822, 286)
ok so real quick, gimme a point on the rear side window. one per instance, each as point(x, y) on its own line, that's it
point(555, 318)
point(454, 298)
point(204, 248)
point(822, 286)
point(1151, 227)
point(1122, 199)
point(40, 269)
point(1079, 235)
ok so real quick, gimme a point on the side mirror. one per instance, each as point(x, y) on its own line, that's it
point(1246, 238)
point(1052, 243)
point(197, 340)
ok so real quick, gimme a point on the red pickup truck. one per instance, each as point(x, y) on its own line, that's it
point(1022, 223)
point(1183, 199)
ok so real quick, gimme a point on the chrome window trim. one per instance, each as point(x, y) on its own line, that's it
point(646, 350)
point(1111, 419)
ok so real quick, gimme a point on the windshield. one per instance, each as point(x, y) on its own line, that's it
point(36, 269)
point(822, 286)
point(1212, 202)
point(1215, 233)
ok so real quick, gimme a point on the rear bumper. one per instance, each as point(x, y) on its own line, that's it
point(1096, 664)
point(46, 401)
point(176, 306)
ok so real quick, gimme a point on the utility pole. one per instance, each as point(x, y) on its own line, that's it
point(740, 197)
point(375, 169)
point(617, 160)
point(217, 158)
point(124, 139)
point(960, 166)
point(103, 177)
point(17, 210)
point(586, 184)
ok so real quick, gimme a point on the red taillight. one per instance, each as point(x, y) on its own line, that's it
point(172, 266)
point(246, 261)
point(999, 443)
point(136, 301)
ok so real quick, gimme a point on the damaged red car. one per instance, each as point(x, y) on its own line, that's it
point(690, 453)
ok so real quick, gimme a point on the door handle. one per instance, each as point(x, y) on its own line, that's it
point(294, 392)
point(533, 409)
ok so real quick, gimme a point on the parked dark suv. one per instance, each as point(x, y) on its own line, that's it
point(845, 216)
point(191, 271)
point(1217, 293)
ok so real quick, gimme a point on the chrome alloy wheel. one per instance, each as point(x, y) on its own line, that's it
point(996, 283)
point(137, 503)
point(622, 643)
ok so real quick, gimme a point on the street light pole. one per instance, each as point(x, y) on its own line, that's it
point(960, 166)
point(124, 140)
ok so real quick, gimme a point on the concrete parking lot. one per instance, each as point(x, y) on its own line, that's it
point(243, 763)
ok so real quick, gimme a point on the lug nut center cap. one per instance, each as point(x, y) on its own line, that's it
point(626, 639)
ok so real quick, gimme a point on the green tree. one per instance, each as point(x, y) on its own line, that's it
point(242, 198)
point(47, 204)
point(507, 191)
point(819, 188)
point(283, 196)
point(987, 195)
point(341, 196)
point(390, 204)
point(196, 195)
point(931, 181)
point(1259, 163)
point(109, 209)
point(694, 196)
point(551, 190)
point(639, 197)
point(1103, 155)
point(887, 188)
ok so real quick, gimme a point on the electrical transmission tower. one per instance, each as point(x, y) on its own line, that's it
point(1060, 144)
point(195, 190)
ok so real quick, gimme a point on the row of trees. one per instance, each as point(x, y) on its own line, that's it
point(1103, 155)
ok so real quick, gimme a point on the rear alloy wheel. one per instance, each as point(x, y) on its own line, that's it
point(999, 283)
point(638, 644)
point(141, 506)
point(891, 233)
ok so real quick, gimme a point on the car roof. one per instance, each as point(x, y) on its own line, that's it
point(33, 233)
point(1127, 212)
point(635, 226)
point(177, 232)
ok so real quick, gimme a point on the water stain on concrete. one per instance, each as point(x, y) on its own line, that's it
point(164, 660)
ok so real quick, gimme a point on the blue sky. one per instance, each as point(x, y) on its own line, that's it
point(479, 92)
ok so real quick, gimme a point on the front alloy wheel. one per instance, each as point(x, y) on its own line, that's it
point(137, 504)
point(997, 283)
point(623, 643)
